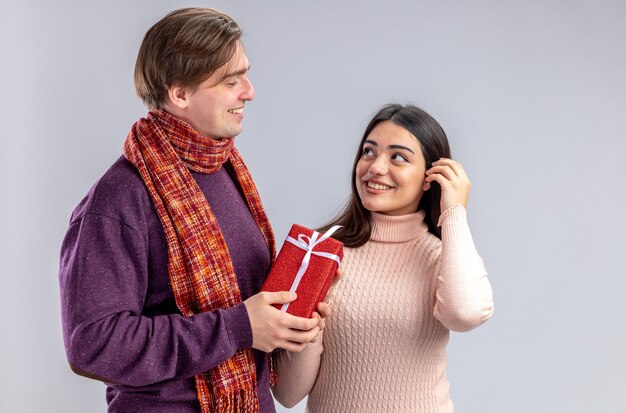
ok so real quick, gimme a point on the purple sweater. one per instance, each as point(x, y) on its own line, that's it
point(120, 320)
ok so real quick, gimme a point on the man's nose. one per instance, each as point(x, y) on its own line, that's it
point(248, 90)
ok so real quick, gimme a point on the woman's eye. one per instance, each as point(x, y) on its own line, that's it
point(400, 158)
point(368, 152)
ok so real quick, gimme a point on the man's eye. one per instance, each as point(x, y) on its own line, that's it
point(232, 83)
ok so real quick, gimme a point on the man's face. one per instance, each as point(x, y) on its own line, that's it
point(215, 109)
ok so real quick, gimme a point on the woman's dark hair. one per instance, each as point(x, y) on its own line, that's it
point(355, 219)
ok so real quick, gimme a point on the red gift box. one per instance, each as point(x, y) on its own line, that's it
point(291, 273)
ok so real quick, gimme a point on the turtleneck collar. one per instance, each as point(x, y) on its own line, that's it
point(400, 228)
point(198, 153)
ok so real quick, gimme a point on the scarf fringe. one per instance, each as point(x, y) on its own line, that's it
point(242, 401)
point(272, 364)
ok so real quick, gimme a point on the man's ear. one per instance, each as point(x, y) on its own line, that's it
point(178, 96)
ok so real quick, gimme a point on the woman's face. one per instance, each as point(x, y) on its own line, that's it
point(391, 171)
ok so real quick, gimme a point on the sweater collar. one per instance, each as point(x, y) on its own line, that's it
point(401, 228)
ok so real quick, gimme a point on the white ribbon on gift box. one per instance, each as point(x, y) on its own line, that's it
point(307, 243)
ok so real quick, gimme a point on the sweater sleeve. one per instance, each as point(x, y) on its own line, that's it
point(103, 281)
point(463, 293)
point(297, 372)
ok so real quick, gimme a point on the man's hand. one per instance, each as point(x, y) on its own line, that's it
point(272, 328)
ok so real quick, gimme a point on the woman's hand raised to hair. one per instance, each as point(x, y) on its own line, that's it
point(455, 185)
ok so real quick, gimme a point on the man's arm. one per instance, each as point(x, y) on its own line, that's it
point(104, 280)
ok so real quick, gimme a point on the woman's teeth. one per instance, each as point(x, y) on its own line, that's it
point(378, 186)
point(236, 111)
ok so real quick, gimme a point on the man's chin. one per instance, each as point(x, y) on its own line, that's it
point(218, 138)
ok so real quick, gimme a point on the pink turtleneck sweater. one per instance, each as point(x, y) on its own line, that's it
point(383, 349)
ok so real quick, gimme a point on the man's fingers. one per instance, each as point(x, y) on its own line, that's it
point(298, 323)
point(279, 297)
point(297, 336)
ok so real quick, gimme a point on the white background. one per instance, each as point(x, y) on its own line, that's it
point(532, 95)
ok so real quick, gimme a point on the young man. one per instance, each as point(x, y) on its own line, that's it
point(164, 258)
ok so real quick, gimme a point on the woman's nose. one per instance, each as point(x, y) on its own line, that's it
point(378, 167)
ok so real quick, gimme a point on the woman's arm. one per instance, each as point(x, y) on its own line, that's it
point(297, 372)
point(463, 294)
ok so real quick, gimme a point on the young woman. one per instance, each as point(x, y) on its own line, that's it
point(410, 275)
